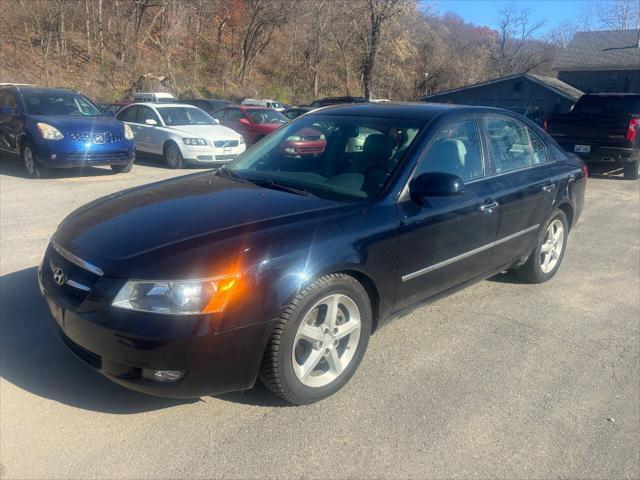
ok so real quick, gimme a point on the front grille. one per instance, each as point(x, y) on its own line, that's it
point(78, 280)
point(225, 143)
point(99, 156)
point(92, 137)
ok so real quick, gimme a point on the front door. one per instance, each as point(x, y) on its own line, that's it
point(522, 184)
point(447, 240)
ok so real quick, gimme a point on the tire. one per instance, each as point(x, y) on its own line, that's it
point(173, 156)
point(122, 168)
point(632, 170)
point(32, 165)
point(534, 270)
point(290, 353)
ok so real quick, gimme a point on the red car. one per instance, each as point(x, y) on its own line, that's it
point(252, 123)
point(307, 141)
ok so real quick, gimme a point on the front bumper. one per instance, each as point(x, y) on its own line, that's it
point(65, 154)
point(121, 344)
point(208, 154)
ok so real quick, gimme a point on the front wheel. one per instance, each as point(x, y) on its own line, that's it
point(173, 156)
point(547, 255)
point(319, 341)
point(632, 170)
point(34, 168)
point(122, 168)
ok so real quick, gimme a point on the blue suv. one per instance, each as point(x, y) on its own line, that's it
point(59, 128)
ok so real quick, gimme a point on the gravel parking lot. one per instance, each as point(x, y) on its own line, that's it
point(502, 379)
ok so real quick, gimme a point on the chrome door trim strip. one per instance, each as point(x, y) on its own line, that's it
point(464, 255)
point(73, 259)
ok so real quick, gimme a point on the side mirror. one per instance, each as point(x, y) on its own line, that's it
point(151, 121)
point(244, 121)
point(435, 184)
point(216, 121)
point(8, 111)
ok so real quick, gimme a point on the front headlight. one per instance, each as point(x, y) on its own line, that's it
point(128, 133)
point(178, 297)
point(194, 141)
point(49, 132)
point(241, 140)
point(294, 138)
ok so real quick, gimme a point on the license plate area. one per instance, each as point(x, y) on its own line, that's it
point(582, 149)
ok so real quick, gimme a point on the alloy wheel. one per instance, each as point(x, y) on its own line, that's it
point(29, 162)
point(326, 340)
point(552, 246)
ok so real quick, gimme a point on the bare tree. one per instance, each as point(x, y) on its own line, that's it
point(619, 14)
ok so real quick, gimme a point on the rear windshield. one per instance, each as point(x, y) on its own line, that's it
point(607, 104)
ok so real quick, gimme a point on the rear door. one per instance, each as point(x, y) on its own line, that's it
point(129, 115)
point(448, 240)
point(152, 135)
point(523, 184)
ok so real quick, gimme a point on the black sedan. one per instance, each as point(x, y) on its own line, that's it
point(280, 265)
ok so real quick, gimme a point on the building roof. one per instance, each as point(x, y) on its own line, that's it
point(602, 50)
point(553, 84)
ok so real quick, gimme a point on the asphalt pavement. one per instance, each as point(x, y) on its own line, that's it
point(501, 380)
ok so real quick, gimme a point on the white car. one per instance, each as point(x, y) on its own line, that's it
point(181, 133)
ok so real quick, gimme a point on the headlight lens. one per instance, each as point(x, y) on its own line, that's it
point(294, 138)
point(194, 141)
point(49, 132)
point(128, 133)
point(178, 297)
point(241, 140)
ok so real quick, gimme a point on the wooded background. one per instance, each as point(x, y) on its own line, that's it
point(290, 50)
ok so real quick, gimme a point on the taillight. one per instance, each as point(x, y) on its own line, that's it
point(545, 125)
point(631, 131)
point(585, 170)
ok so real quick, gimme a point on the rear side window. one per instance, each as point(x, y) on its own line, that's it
point(538, 148)
point(509, 144)
point(147, 114)
point(8, 100)
point(456, 150)
point(128, 115)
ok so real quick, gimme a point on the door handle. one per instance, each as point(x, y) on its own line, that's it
point(489, 207)
point(549, 188)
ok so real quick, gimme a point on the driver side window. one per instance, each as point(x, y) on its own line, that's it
point(456, 150)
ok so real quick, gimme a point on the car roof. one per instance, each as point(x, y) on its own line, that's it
point(162, 104)
point(32, 89)
point(408, 111)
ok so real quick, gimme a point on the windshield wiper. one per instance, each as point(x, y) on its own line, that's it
point(266, 183)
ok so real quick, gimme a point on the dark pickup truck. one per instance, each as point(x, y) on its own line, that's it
point(602, 127)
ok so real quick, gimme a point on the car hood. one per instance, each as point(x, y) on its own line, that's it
point(190, 212)
point(206, 131)
point(69, 123)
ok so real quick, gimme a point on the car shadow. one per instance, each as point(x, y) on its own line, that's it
point(34, 359)
point(258, 396)
point(12, 166)
point(507, 277)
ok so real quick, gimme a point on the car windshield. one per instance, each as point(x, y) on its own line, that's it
point(59, 104)
point(174, 116)
point(341, 158)
point(266, 116)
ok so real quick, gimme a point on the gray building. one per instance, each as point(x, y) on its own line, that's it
point(531, 95)
point(602, 61)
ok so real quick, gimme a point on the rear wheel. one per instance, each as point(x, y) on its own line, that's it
point(632, 170)
point(32, 165)
point(173, 156)
point(319, 341)
point(549, 250)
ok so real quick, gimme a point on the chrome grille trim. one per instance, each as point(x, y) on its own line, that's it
point(78, 261)
point(79, 286)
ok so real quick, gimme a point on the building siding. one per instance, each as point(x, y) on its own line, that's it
point(619, 81)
